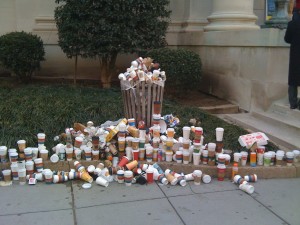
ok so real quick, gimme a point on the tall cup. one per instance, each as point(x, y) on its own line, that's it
point(221, 172)
point(196, 158)
point(14, 157)
point(186, 156)
point(95, 155)
point(77, 152)
point(21, 145)
point(35, 153)
point(149, 175)
point(29, 165)
point(179, 156)
point(197, 177)
point(169, 156)
point(69, 153)
point(28, 154)
point(3, 154)
point(10, 151)
point(279, 157)
point(237, 157)
point(128, 176)
point(186, 132)
point(44, 154)
point(120, 176)
point(267, 159)
point(260, 155)
point(149, 153)
point(205, 157)
point(39, 164)
point(48, 177)
point(6, 175)
point(289, 158)
point(41, 138)
point(246, 187)
point(219, 133)
point(186, 144)
point(296, 155)
point(129, 152)
point(78, 142)
point(14, 170)
point(244, 158)
point(88, 153)
point(121, 143)
point(22, 176)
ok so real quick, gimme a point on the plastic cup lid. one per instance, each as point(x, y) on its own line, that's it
point(54, 158)
point(86, 185)
point(206, 179)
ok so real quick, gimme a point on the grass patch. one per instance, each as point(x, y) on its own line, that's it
point(28, 110)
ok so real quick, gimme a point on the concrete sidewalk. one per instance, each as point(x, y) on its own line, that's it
point(275, 201)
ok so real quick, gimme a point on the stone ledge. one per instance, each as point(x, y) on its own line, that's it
point(271, 172)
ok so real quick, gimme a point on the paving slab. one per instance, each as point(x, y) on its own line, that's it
point(145, 212)
point(64, 217)
point(21, 199)
point(114, 193)
point(281, 196)
point(226, 208)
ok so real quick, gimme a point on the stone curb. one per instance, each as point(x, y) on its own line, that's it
point(271, 172)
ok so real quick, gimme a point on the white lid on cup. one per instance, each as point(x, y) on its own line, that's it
point(296, 153)
point(54, 158)
point(164, 181)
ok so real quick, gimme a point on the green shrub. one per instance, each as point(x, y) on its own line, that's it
point(21, 53)
point(182, 67)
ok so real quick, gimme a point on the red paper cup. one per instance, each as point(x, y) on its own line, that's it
point(123, 161)
point(149, 173)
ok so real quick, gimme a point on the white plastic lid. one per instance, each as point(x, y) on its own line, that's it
point(86, 185)
point(206, 179)
point(54, 158)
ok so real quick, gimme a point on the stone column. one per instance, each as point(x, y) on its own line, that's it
point(232, 15)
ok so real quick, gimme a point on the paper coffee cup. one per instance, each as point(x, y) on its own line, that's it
point(6, 175)
point(3, 154)
point(169, 156)
point(22, 176)
point(128, 176)
point(197, 177)
point(219, 133)
point(196, 158)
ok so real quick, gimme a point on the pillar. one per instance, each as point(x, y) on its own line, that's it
point(232, 15)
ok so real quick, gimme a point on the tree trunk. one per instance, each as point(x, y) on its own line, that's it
point(107, 69)
point(75, 71)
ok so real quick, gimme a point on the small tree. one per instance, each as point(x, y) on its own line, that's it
point(105, 28)
point(21, 53)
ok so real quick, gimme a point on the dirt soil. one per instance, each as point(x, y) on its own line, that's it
point(200, 99)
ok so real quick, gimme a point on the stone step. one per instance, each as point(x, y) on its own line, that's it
point(221, 109)
point(279, 132)
point(283, 108)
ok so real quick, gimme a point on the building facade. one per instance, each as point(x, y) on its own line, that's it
point(242, 62)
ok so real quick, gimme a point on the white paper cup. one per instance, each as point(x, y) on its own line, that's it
point(244, 158)
point(39, 164)
point(6, 175)
point(196, 158)
point(237, 157)
point(102, 182)
point(169, 156)
point(186, 132)
point(197, 177)
point(246, 187)
point(29, 165)
point(120, 176)
point(129, 152)
point(211, 146)
point(3, 153)
point(128, 176)
point(219, 133)
point(186, 157)
point(22, 176)
point(14, 170)
point(48, 176)
point(41, 138)
point(296, 155)
point(21, 164)
point(78, 154)
point(289, 158)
